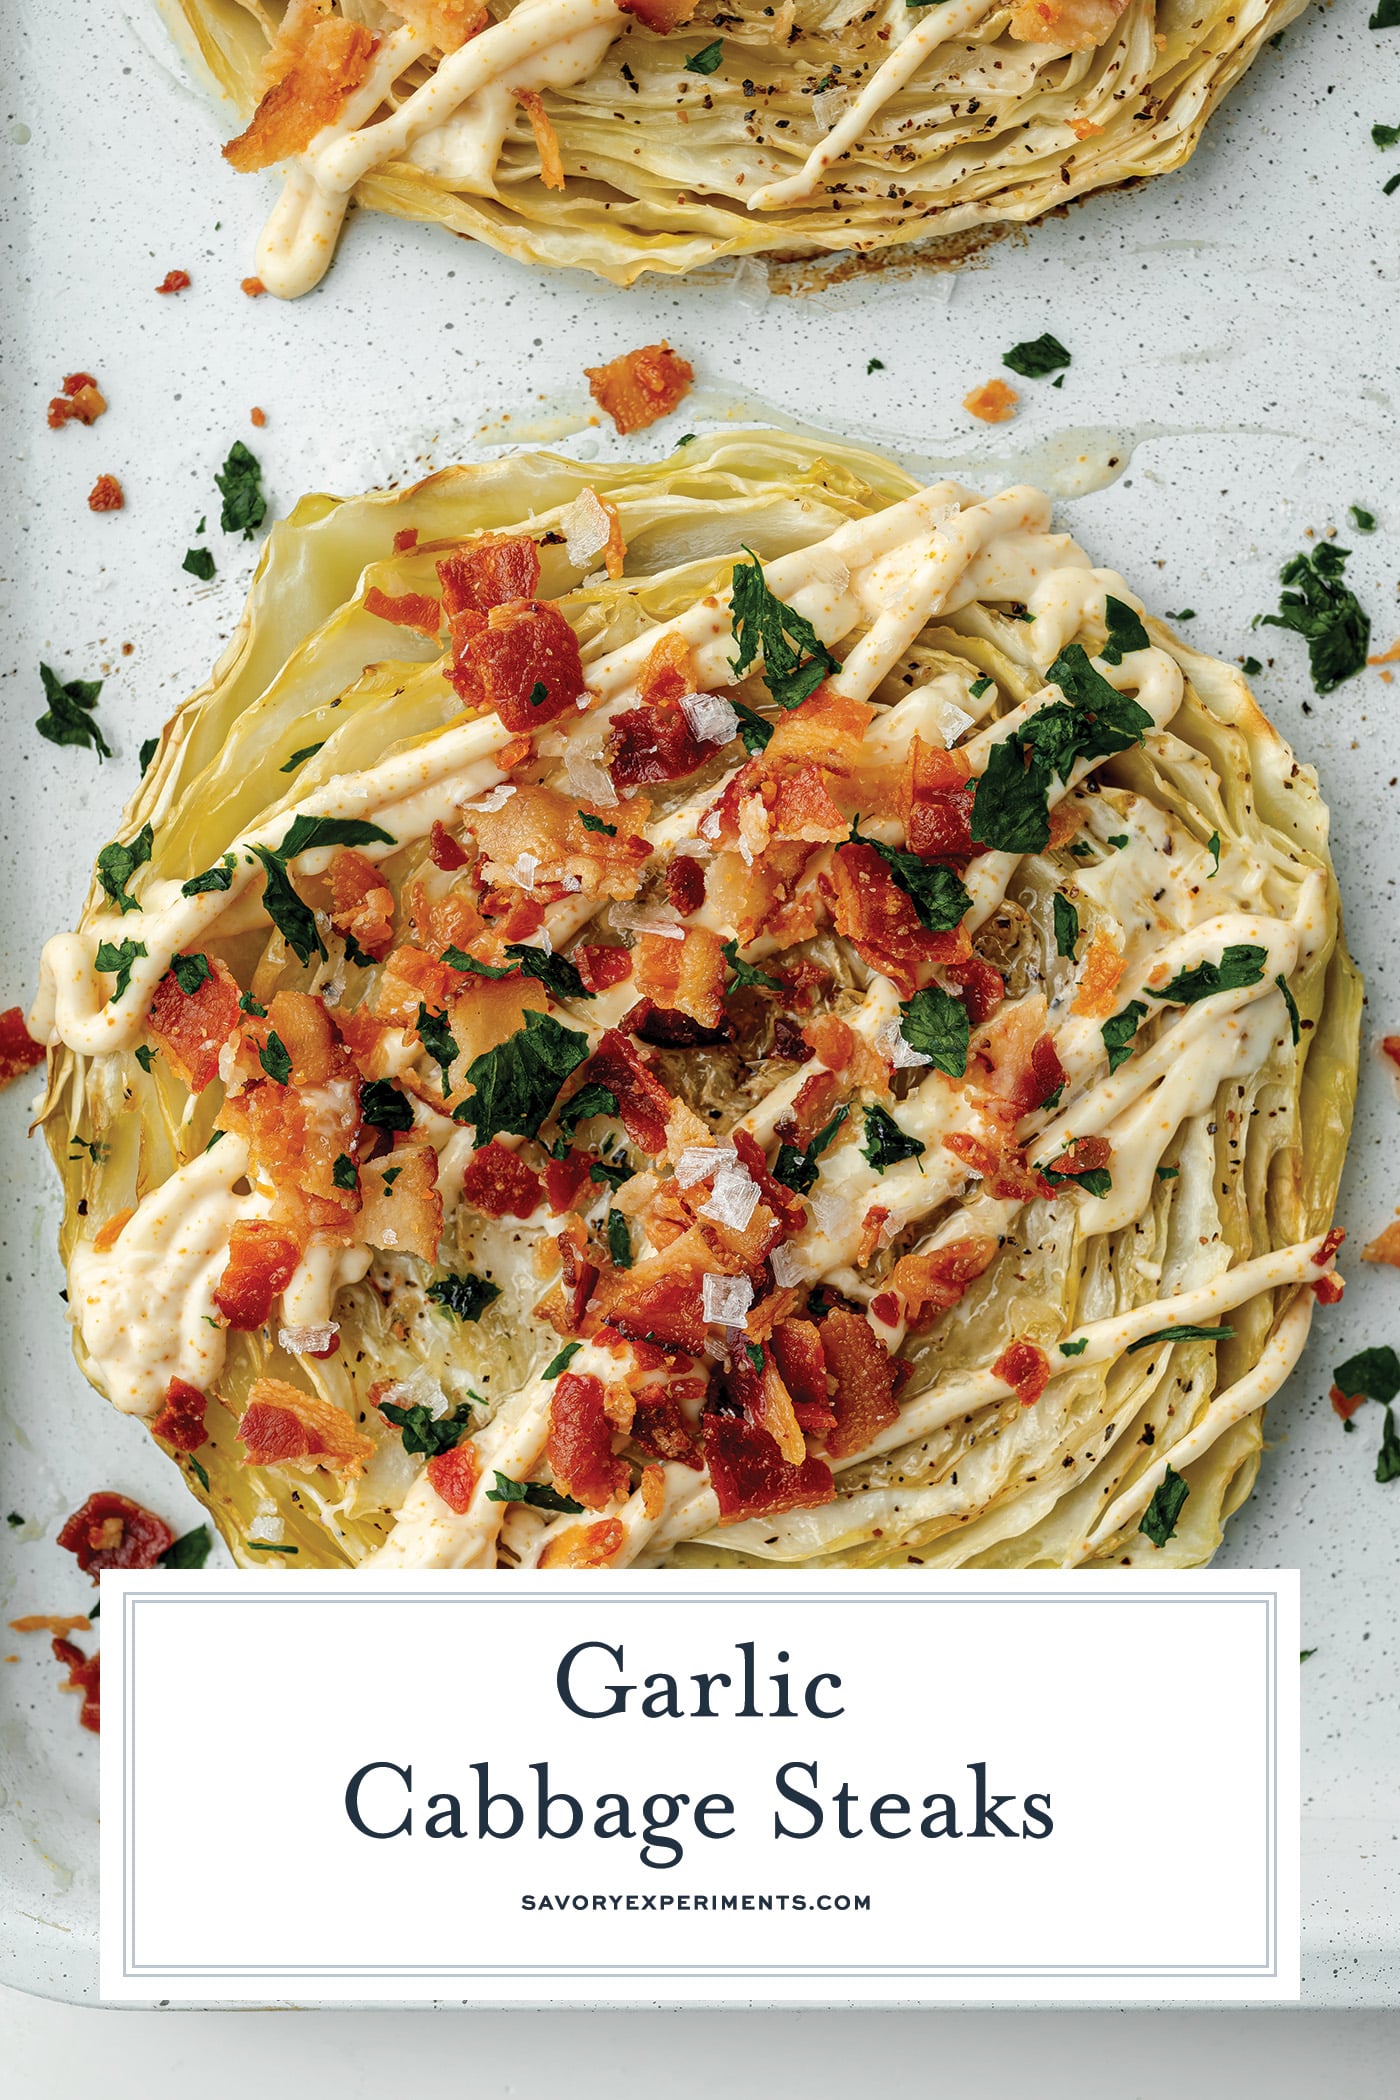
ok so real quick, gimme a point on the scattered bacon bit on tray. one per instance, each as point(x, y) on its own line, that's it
point(19, 1053)
point(112, 1531)
point(85, 1676)
point(80, 401)
point(641, 386)
point(258, 418)
point(253, 287)
point(106, 494)
point(993, 403)
point(175, 281)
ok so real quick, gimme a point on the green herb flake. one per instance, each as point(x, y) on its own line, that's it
point(936, 893)
point(220, 878)
point(608, 1173)
point(874, 364)
point(294, 920)
point(1385, 135)
point(1160, 1517)
point(562, 1361)
point(754, 732)
point(1319, 607)
point(438, 1040)
point(191, 1550)
point(268, 1546)
point(795, 659)
point(305, 834)
point(1363, 520)
point(1386, 16)
point(1075, 1348)
point(590, 1100)
point(1388, 189)
point(708, 60)
point(149, 747)
point(536, 1492)
point(14, 1520)
point(1010, 810)
point(1240, 966)
point(115, 958)
point(466, 1297)
point(744, 973)
point(145, 1056)
point(458, 959)
point(116, 864)
point(190, 972)
point(247, 1004)
point(299, 758)
point(1294, 1018)
point(275, 1058)
point(345, 1174)
point(1066, 926)
point(240, 485)
point(592, 823)
point(797, 1169)
point(1118, 1033)
point(558, 976)
point(1213, 849)
point(199, 562)
point(68, 718)
point(978, 687)
point(1185, 1333)
point(1304, 1654)
point(1388, 1457)
point(422, 1435)
point(619, 1240)
point(935, 1024)
point(885, 1143)
point(516, 1084)
point(1188, 612)
point(385, 1105)
point(1168, 1173)
point(1372, 1372)
point(1037, 359)
point(1126, 633)
point(1251, 667)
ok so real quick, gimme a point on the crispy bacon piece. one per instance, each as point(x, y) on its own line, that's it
point(546, 138)
point(661, 1429)
point(251, 287)
point(1329, 1289)
point(498, 1182)
point(668, 672)
point(1065, 25)
point(112, 1531)
point(447, 23)
point(937, 796)
point(193, 1028)
point(685, 884)
point(1003, 1168)
point(1385, 1247)
point(563, 1178)
point(454, 1475)
point(599, 967)
point(1026, 1369)
point(1331, 1246)
point(406, 539)
point(85, 1676)
point(763, 1398)
point(864, 1381)
point(444, 851)
point(1390, 1044)
point(181, 1419)
point(585, 1545)
point(641, 386)
point(414, 609)
point(486, 1011)
point(523, 662)
point(685, 976)
point(80, 402)
point(931, 1283)
point(262, 1260)
point(175, 281)
point(1083, 1156)
point(1099, 974)
point(297, 1133)
point(494, 571)
point(19, 1052)
point(258, 418)
point(580, 1449)
point(316, 63)
point(654, 743)
point(400, 1208)
point(803, 808)
point(549, 826)
point(750, 1476)
point(579, 1274)
point(106, 494)
point(362, 904)
point(660, 15)
point(797, 1345)
point(993, 403)
point(659, 1299)
point(643, 1102)
point(284, 1426)
point(983, 988)
point(783, 1202)
point(881, 922)
point(1014, 1064)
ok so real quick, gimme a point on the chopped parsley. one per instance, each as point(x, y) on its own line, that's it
point(935, 1024)
point(978, 687)
point(1011, 810)
point(1160, 1516)
point(517, 1083)
point(299, 758)
point(797, 1168)
point(268, 1546)
point(1095, 1181)
point(275, 1058)
point(466, 1297)
point(68, 717)
point(1075, 1348)
point(1384, 135)
point(1188, 612)
point(438, 1040)
point(1325, 613)
point(1240, 965)
point(934, 890)
point(115, 958)
point(240, 485)
point(14, 1520)
point(116, 864)
point(1185, 1333)
point(424, 1435)
point(610, 1173)
point(562, 1361)
point(345, 1174)
point(795, 659)
point(1066, 926)
point(1386, 16)
point(1294, 1020)
point(1118, 841)
point(1305, 1653)
point(1363, 520)
point(744, 973)
point(220, 878)
point(754, 732)
point(149, 747)
point(1168, 1173)
point(619, 1240)
point(590, 1100)
point(885, 1143)
point(592, 823)
point(558, 976)
point(294, 920)
point(536, 1492)
point(1213, 849)
point(247, 1004)
point(191, 1550)
point(458, 959)
point(874, 364)
point(306, 833)
point(199, 562)
point(1374, 1372)
point(145, 1056)
point(1118, 1033)
point(1126, 633)
point(1388, 1457)
point(190, 972)
point(708, 60)
point(1037, 359)
point(1251, 667)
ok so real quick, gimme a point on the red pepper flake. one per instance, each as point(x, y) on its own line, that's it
point(258, 418)
point(1330, 1246)
point(253, 286)
point(1328, 1289)
point(175, 281)
point(1344, 1404)
point(106, 494)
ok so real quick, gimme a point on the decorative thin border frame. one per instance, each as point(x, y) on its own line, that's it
point(134, 1970)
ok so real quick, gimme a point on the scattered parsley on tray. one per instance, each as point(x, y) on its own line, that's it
point(1319, 606)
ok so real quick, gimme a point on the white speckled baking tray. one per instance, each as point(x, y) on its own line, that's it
point(1234, 385)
